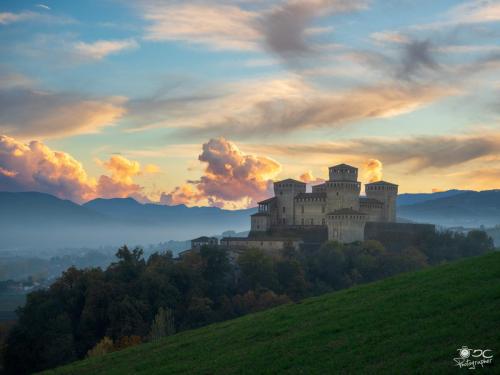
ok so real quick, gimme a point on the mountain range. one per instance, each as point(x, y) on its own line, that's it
point(36, 219)
point(31, 219)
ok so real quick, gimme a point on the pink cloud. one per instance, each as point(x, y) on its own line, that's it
point(36, 167)
point(232, 179)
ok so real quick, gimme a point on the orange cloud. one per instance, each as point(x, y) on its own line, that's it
point(309, 178)
point(28, 111)
point(373, 170)
point(151, 169)
point(36, 167)
point(122, 169)
point(232, 179)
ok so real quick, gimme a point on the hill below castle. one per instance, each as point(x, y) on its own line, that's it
point(412, 323)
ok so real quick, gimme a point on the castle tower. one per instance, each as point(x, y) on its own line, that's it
point(346, 225)
point(343, 188)
point(386, 193)
point(285, 192)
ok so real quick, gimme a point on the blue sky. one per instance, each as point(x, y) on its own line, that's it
point(151, 98)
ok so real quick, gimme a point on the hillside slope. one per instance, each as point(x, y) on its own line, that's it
point(407, 324)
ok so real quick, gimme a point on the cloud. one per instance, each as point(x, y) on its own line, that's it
point(99, 49)
point(309, 178)
point(476, 12)
point(8, 17)
point(478, 179)
point(27, 112)
point(306, 177)
point(218, 26)
point(232, 179)
point(36, 167)
point(285, 27)
point(283, 106)
point(427, 151)
point(417, 57)
point(43, 6)
point(151, 169)
point(389, 37)
point(373, 170)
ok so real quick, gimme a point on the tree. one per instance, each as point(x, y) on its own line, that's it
point(130, 264)
point(328, 265)
point(199, 311)
point(257, 270)
point(102, 347)
point(291, 278)
point(367, 258)
point(216, 268)
point(163, 324)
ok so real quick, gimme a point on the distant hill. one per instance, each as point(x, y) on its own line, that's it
point(39, 208)
point(469, 208)
point(41, 220)
point(130, 210)
point(410, 198)
point(409, 324)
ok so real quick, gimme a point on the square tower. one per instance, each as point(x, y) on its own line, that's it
point(343, 172)
point(386, 193)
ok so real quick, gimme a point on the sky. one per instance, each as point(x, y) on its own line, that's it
point(205, 103)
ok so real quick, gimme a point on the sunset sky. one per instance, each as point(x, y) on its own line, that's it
point(207, 102)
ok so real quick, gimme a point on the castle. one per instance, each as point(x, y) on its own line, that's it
point(333, 211)
point(335, 204)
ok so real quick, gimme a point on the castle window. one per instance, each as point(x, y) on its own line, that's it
point(302, 209)
point(284, 220)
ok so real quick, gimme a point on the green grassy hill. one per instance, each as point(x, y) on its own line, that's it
point(413, 323)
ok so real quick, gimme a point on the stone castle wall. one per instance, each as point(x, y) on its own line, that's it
point(398, 235)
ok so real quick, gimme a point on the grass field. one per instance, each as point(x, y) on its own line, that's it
point(412, 323)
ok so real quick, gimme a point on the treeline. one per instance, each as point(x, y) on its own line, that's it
point(92, 311)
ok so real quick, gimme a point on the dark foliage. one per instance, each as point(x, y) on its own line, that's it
point(84, 307)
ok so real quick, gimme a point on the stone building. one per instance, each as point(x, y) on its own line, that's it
point(335, 204)
point(199, 242)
